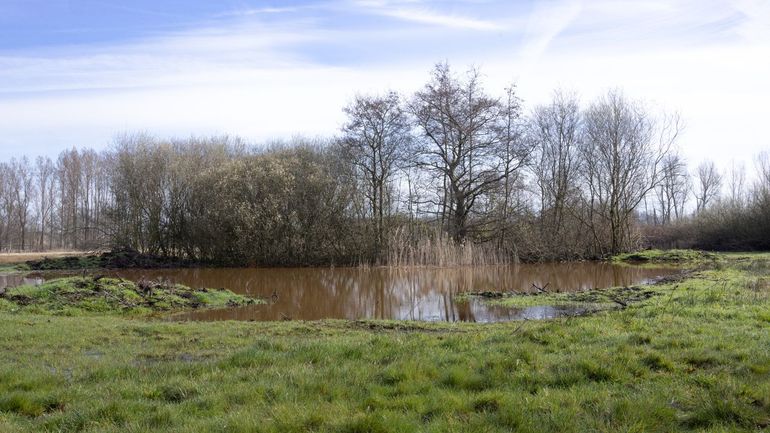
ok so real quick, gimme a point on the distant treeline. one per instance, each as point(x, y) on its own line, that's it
point(449, 175)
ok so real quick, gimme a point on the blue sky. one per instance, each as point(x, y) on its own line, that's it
point(78, 72)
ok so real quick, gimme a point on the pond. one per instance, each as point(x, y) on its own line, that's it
point(426, 294)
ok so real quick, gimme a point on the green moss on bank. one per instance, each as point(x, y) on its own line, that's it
point(94, 295)
point(665, 256)
point(13, 268)
point(693, 358)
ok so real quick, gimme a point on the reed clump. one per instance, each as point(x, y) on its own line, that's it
point(437, 249)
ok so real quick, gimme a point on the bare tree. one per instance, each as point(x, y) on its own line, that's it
point(555, 129)
point(44, 177)
point(69, 172)
point(673, 189)
point(89, 169)
point(708, 185)
point(465, 143)
point(736, 184)
point(141, 179)
point(763, 170)
point(516, 153)
point(760, 192)
point(376, 137)
point(23, 192)
point(622, 157)
point(6, 205)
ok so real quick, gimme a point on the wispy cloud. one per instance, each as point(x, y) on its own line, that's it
point(258, 11)
point(757, 24)
point(427, 16)
point(403, 10)
point(170, 59)
point(264, 72)
point(655, 24)
point(544, 24)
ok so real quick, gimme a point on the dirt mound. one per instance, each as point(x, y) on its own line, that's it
point(119, 259)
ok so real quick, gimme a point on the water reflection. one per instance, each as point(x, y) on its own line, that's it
point(15, 280)
point(425, 294)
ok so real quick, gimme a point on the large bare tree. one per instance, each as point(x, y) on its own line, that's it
point(467, 142)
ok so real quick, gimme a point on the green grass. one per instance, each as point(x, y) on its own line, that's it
point(665, 256)
point(8, 269)
point(694, 357)
point(593, 300)
point(89, 295)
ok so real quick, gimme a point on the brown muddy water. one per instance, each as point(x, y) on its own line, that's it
point(13, 280)
point(426, 294)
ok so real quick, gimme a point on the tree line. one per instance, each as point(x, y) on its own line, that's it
point(49, 204)
point(452, 174)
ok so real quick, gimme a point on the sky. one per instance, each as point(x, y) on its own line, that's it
point(80, 72)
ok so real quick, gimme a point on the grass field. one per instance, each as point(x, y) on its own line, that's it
point(693, 357)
